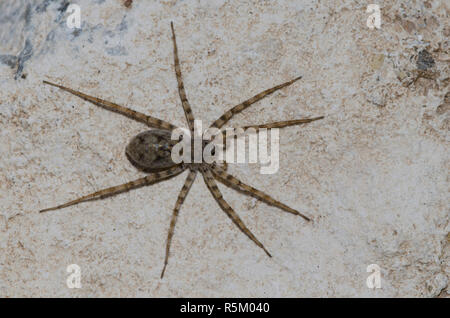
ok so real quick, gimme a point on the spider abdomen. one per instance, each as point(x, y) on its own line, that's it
point(151, 150)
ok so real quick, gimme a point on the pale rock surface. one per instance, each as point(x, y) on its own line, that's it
point(373, 173)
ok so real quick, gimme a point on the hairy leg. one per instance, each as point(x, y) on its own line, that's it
point(146, 119)
point(147, 180)
point(184, 101)
point(183, 194)
point(212, 186)
point(236, 184)
point(222, 120)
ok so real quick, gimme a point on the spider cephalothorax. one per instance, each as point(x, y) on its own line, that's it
point(150, 151)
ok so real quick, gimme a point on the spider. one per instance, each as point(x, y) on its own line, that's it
point(150, 151)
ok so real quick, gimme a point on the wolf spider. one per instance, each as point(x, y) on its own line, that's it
point(150, 151)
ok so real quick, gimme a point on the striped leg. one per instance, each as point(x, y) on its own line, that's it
point(212, 186)
point(181, 91)
point(146, 119)
point(282, 124)
point(277, 124)
point(147, 180)
point(232, 182)
point(183, 194)
point(240, 107)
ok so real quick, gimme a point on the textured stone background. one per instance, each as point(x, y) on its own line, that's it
point(373, 173)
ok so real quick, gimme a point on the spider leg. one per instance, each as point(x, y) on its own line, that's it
point(223, 166)
point(183, 194)
point(212, 186)
point(282, 124)
point(277, 124)
point(233, 182)
point(222, 120)
point(147, 180)
point(146, 119)
point(181, 91)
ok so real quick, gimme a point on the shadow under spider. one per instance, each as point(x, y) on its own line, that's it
point(150, 152)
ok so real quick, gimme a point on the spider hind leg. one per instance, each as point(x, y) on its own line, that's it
point(147, 180)
point(140, 117)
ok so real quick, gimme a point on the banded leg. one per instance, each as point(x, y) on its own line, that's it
point(146, 119)
point(233, 182)
point(282, 124)
point(181, 91)
point(147, 180)
point(212, 186)
point(240, 107)
point(277, 124)
point(183, 194)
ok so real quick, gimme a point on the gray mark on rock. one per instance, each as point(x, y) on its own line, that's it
point(425, 60)
point(10, 60)
point(117, 50)
point(24, 55)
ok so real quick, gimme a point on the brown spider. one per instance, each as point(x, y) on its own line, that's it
point(150, 151)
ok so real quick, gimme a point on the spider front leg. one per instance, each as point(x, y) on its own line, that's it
point(233, 182)
point(146, 119)
point(184, 101)
point(147, 180)
point(212, 186)
point(222, 120)
point(277, 124)
point(282, 124)
point(183, 194)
